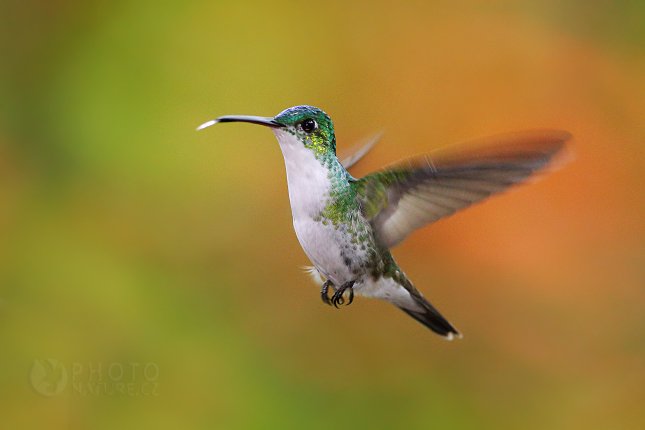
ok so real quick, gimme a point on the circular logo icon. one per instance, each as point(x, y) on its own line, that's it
point(48, 377)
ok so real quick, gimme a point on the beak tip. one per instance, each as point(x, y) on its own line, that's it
point(207, 124)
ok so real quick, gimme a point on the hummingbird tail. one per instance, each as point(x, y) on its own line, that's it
point(431, 318)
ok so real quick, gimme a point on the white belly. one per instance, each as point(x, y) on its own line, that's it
point(329, 250)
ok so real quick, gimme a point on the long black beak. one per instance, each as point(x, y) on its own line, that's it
point(269, 122)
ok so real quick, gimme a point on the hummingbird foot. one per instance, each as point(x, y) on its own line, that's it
point(324, 290)
point(338, 299)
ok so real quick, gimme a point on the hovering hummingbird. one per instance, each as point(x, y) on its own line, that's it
point(347, 226)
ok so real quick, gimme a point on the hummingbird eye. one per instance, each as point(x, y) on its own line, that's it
point(308, 125)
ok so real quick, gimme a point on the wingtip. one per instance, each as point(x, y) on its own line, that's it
point(354, 154)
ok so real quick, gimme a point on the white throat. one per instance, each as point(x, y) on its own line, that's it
point(307, 179)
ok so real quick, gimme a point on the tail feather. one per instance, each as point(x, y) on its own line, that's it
point(431, 318)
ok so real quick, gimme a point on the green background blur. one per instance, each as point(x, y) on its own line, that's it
point(128, 237)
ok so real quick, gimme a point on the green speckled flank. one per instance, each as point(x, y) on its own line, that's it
point(343, 210)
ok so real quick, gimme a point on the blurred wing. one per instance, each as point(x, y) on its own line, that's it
point(352, 155)
point(405, 197)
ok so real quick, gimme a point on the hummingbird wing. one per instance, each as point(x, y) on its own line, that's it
point(351, 156)
point(410, 194)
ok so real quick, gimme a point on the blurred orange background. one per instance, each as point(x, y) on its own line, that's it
point(128, 237)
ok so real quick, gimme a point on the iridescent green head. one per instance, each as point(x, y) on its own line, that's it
point(311, 126)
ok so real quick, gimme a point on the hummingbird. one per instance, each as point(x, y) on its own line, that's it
point(347, 226)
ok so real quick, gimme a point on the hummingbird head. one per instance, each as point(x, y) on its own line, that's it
point(298, 125)
point(312, 127)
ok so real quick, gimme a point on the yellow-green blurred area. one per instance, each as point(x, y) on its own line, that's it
point(129, 239)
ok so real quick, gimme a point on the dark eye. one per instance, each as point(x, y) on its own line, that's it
point(308, 125)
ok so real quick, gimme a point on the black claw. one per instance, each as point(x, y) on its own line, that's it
point(323, 292)
point(338, 299)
